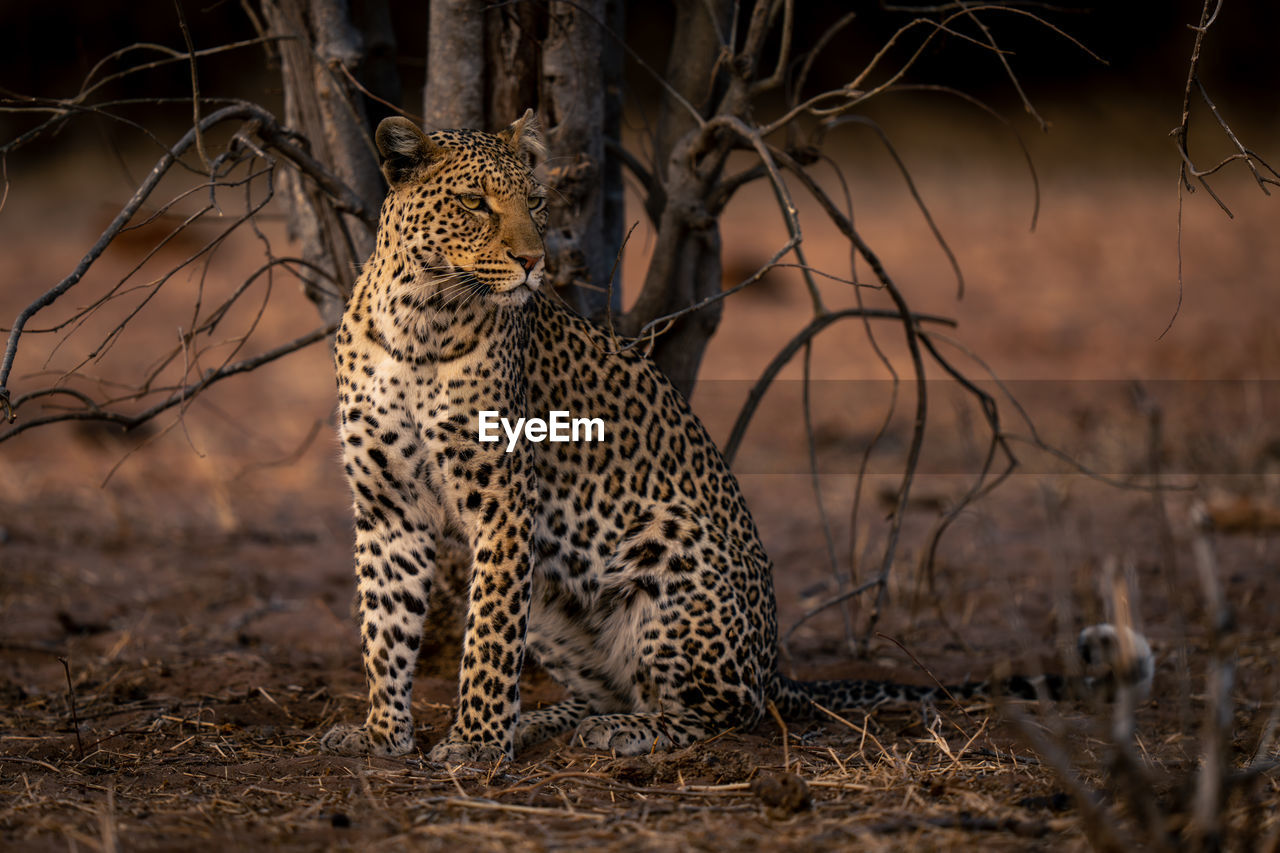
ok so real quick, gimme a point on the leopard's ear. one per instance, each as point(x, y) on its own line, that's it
point(405, 149)
point(525, 137)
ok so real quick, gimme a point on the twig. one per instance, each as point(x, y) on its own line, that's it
point(1004, 62)
point(911, 188)
point(986, 108)
point(786, 748)
point(902, 648)
point(981, 486)
point(352, 79)
point(71, 697)
point(798, 88)
point(181, 394)
point(1187, 169)
point(195, 86)
point(828, 603)
point(533, 811)
point(815, 484)
point(264, 125)
point(788, 352)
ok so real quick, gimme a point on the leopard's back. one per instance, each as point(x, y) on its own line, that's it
point(647, 522)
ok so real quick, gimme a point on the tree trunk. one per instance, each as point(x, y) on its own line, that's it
point(560, 59)
point(319, 55)
point(615, 213)
point(686, 260)
point(579, 253)
point(515, 32)
point(454, 94)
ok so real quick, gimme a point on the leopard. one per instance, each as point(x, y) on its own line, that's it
point(630, 568)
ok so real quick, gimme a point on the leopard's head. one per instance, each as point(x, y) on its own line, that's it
point(464, 214)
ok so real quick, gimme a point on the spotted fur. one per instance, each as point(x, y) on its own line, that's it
point(630, 568)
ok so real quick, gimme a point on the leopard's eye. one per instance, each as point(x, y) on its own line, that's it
point(471, 202)
point(536, 203)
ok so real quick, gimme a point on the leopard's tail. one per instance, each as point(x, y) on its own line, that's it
point(796, 700)
point(1110, 657)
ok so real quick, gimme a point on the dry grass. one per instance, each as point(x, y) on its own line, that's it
point(169, 773)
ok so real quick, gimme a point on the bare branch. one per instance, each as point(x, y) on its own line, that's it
point(986, 108)
point(808, 333)
point(259, 123)
point(195, 85)
point(93, 413)
point(784, 52)
point(851, 94)
point(911, 187)
point(797, 90)
point(1188, 170)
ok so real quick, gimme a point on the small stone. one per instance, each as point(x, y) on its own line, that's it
point(784, 794)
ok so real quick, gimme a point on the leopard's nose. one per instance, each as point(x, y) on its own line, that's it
point(526, 261)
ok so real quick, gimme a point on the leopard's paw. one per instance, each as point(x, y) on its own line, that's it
point(620, 738)
point(359, 740)
point(453, 751)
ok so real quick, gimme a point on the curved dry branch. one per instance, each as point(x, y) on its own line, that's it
point(911, 334)
point(797, 89)
point(788, 352)
point(784, 50)
point(852, 93)
point(257, 123)
point(981, 486)
point(93, 412)
point(911, 188)
point(990, 111)
point(65, 108)
point(1188, 170)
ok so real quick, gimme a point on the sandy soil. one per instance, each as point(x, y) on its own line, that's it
point(192, 613)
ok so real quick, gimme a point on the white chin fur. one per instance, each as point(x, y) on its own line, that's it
point(518, 295)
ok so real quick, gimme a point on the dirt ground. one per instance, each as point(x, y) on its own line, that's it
point(173, 641)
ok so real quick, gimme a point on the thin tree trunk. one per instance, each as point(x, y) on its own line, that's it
point(320, 49)
point(573, 113)
point(515, 32)
point(560, 59)
point(454, 94)
point(614, 223)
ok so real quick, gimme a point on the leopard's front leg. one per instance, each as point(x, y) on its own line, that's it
point(395, 565)
point(498, 515)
